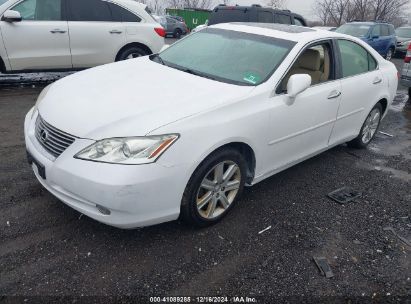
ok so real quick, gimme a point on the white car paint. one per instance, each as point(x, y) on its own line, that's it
point(141, 97)
point(57, 45)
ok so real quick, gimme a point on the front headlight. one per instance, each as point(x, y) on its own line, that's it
point(40, 98)
point(128, 150)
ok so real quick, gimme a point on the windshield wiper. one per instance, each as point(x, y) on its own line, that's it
point(157, 56)
point(190, 71)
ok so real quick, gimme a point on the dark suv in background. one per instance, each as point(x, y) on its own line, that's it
point(380, 35)
point(254, 13)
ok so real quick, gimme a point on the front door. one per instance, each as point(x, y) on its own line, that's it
point(303, 128)
point(41, 39)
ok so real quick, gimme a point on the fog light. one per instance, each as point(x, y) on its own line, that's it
point(103, 210)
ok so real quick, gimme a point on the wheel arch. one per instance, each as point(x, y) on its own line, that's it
point(245, 149)
point(384, 104)
point(131, 44)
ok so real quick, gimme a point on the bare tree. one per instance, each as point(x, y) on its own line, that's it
point(204, 4)
point(337, 12)
point(276, 3)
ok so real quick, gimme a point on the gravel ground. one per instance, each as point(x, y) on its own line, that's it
point(48, 249)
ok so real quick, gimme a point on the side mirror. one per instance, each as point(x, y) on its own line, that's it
point(297, 84)
point(165, 47)
point(11, 16)
point(375, 37)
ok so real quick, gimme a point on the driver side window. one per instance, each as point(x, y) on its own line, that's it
point(315, 61)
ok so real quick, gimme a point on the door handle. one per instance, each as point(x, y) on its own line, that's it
point(377, 80)
point(58, 31)
point(115, 32)
point(334, 94)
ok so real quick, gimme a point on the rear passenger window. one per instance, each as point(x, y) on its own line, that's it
point(90, 10)
point(122, 15)
point(355, 59)
point(376, 31)
point(283, 19)
point(385, 31)
point(265, 17)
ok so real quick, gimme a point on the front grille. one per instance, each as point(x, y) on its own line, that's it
point(51, 138)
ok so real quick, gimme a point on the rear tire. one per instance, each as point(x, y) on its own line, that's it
point(177, 33)
point(389, 54)
point(214, 188)
point(131, 52)
point(368, 129)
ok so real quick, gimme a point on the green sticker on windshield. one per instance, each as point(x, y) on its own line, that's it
point(252, 78)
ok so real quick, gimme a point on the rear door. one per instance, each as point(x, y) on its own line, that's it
point(41, 39)
point(376, 39)
point(385, 38)
point(361, 86)
point(95, 36)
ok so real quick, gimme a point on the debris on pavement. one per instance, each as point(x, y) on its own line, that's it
point(264, 230)
point(344, 195)
point(8, 224)
point(386, 134)
point(402, 239)
point(324, 267)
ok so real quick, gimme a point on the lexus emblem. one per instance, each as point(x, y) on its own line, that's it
point(44, 135)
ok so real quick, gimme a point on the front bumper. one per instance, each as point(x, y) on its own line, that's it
point(135, 195)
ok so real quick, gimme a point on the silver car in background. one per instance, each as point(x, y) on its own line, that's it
point(403, 39)
point(172, 25)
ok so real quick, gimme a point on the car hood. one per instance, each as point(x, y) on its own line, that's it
point(131, 98)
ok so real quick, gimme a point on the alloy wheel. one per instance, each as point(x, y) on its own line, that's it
point(218, 189)
point(370, 126)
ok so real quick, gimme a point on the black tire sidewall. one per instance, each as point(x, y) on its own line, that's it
point(189, 209)
point(133, 49)
point(358, 140)
point(177, 33)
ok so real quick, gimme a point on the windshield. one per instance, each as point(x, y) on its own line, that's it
point(403, 32)
point(356, 30)
point(228, 56)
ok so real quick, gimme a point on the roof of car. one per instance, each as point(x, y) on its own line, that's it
point(254, 7)
point(282, 31)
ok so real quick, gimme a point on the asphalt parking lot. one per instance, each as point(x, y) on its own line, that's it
point(48, 249)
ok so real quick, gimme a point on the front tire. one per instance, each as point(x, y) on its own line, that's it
point(214, 188)
point(368, 129)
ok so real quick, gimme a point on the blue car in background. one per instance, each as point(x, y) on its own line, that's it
point(380, 35)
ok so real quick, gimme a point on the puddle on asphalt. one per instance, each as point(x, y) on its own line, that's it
point(400, 143)
point(395, 173)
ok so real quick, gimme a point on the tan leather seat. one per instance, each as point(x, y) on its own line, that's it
point(309, 63)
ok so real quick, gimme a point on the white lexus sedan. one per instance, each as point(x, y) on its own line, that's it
point(180, 133)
